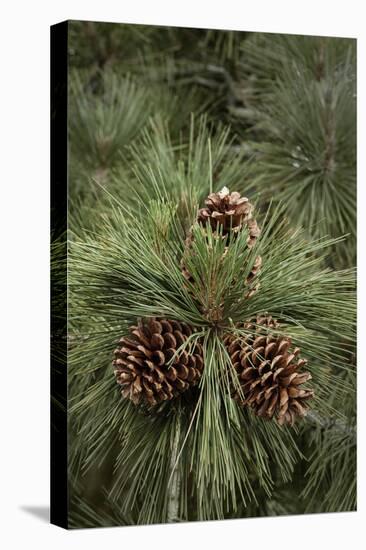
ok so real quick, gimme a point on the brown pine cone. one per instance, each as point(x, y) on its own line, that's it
point(232, 212)
point(141, 361)
point(229, 210)
point(269, 372)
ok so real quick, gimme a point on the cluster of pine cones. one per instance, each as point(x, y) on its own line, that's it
point(162, 358)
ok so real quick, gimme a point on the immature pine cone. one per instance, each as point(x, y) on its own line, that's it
point(269, 372)
point(141, 361)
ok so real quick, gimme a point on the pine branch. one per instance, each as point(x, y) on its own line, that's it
point(299, 123)
point(122, 272)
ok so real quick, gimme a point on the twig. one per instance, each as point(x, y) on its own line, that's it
point(174, 485)
point(331, 423)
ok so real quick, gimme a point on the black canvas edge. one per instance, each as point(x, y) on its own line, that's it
point(59, 440)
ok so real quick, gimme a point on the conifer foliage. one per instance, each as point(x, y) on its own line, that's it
point(212, 307)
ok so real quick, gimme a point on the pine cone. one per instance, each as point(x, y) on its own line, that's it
point(269, 372)
point(232, 212)
point(141, 361)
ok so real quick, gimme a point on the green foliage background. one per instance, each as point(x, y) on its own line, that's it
point(158, 118)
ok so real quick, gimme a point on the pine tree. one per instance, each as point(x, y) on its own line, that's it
point(182, 349)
